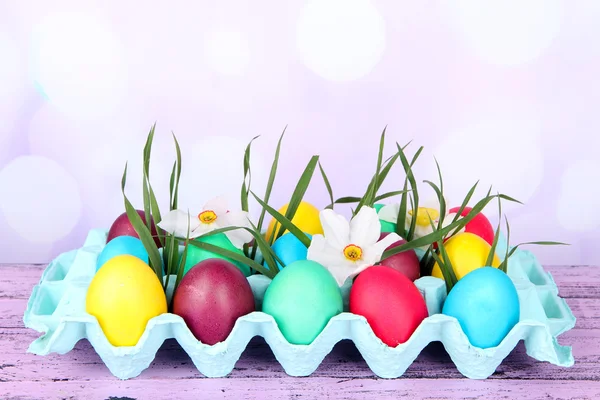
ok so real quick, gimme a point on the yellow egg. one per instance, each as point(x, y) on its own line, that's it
point(124, 295)
point(466, 252)
point(306, 219)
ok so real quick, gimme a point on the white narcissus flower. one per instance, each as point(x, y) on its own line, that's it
point(214, 215)
point(348, 248)
point(423, 227)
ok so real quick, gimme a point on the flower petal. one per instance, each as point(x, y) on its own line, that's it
point(389, 212)
point(176, 223)
point(331, 258)
point(218, 205)
point(365, 227)
point(335, 228)
point(372, 254)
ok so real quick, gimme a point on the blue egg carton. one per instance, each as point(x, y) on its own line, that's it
point(57, 308)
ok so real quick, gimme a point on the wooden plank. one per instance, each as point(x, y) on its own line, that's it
point(316, 388)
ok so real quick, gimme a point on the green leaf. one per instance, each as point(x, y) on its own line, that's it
point(286, 223)
point(234, 256)
point(142, 230)
point(151, 209)
point(328, 186)
point(413, 184)
point(347, 200)
point(181, 266)
point(504, 265)
point(176, 175)
point(440, 234)
point(465, 202)
point(269, 188)
point(298, 194)
point(387, 166)
point(492, 253)
point(247, 176)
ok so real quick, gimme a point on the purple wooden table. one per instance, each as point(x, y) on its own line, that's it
point(80, 374)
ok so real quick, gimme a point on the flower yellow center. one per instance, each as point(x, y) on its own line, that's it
point(424, 214)
point(352, 252)
point(207, 217)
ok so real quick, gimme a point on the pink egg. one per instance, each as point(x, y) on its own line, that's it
point(405, 262)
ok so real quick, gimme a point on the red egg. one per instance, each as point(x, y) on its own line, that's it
point(211, 297)
point(479, 225)
point(123, 227)
point(391, 303)
point(405, 262)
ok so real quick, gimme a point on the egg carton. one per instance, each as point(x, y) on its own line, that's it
point(57, 308)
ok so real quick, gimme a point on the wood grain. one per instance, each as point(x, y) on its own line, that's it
point(342, 375)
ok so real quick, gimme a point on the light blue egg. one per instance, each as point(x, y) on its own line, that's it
point(486, 304)
point(122, 245)
point(289, 249)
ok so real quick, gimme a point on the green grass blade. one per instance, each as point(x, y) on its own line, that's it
point(175, 195)
point(465, 202)
point(389, 194)
point(181, 266)
point(234, 256)
point(298, 193)
point(347, 200)
point(247, 176)
point(286, 223)
point(492, 253)
point(142, 230)
point(327, 186)
point(413, 184)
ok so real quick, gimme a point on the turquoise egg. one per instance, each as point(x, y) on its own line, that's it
point(289, 249)
point(302, 298)
point(486, 304)
point(122, 245)
point(385, 225)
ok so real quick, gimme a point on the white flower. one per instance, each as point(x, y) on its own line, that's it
point(214, 215)
point(348, 248)
point(429, 212)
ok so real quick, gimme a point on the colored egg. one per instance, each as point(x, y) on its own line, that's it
point(123, 227)
point(122, 245)
point(486, 304)
point(196, 254)
point(479, 225)
point(306, 219)
point(405, 262)
point(385, 225)
point(124, 295)
point(289, 249)
point(211, 297)
point(391, 303)
point(466, 252)
point(302, 298)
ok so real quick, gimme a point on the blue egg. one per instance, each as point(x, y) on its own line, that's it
point(289, 249)
point(122, 245)
point(486, 304)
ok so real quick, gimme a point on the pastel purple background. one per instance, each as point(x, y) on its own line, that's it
point(502, 91)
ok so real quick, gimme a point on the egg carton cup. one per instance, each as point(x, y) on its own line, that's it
point(57, 308)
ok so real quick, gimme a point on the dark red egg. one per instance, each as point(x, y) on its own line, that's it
point(123, 227)
point(479, 225)
point(391, 303)
point(211, 297)
point(405, 262)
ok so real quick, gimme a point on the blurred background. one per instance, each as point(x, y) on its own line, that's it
point(504, 91)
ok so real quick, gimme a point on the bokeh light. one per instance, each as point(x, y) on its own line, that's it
point(341, 40)
point(40, 199)
point(578, 197)
point(77, 61)
point(506, 32)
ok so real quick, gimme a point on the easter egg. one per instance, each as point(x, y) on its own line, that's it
point(405, 262)
point(210, 299)
point(391, 303)
point(289, 249)
point(123, 227)
point(486, 304)
point(479, 225)
point(196, 254)
point(124, 295)
point(122, 245)
point(466, 252)
point(306, 219)
point(302, 298)
point(385, 225)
